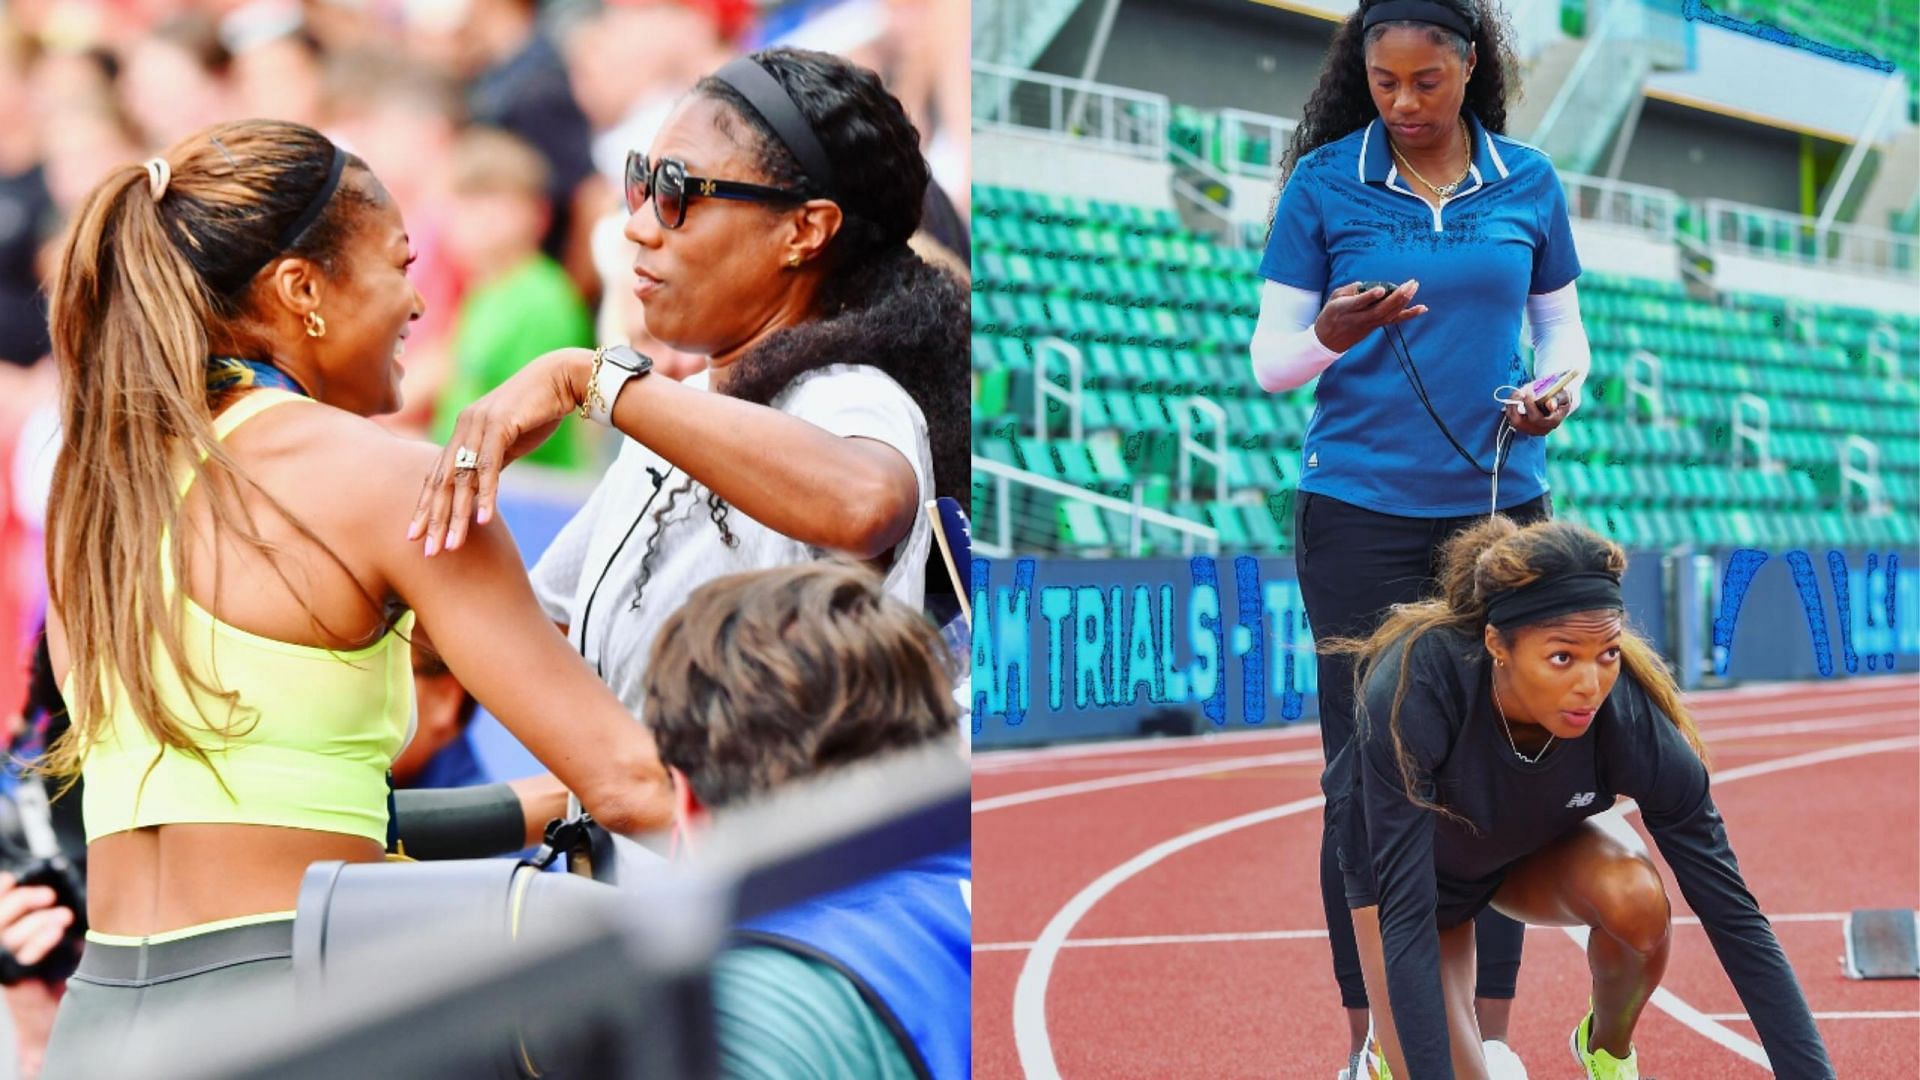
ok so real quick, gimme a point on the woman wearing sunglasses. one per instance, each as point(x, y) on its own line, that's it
point(772, 215)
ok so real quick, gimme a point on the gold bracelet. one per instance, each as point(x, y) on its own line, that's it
point(593, 384)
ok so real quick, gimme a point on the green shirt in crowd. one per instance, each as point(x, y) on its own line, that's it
point(501, 327)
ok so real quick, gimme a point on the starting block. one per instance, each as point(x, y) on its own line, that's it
point(1881, 944)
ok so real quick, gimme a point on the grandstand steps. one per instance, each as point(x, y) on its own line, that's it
point(1893, 185)
point(1542, 83)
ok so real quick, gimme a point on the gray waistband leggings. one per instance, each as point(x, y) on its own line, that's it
point(130, 996)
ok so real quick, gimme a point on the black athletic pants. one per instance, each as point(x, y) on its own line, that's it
point(1354, 564)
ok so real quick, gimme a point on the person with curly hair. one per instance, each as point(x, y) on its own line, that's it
point(1500, 722)
point(772, 213)
point(1400, 173)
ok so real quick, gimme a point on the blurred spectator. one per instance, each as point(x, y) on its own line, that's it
point(402, 118)
point(519, 302)
point(520, 85)
point(276, 69)
point(79, 142)
point(630, 64)
point(26, 212)
point(173, 81)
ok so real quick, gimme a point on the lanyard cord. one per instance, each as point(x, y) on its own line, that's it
point(1502, 435)
point(1398, 341)
point(586, 613)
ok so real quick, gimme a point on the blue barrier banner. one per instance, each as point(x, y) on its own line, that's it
point(1806, 614)
point(1072, 649)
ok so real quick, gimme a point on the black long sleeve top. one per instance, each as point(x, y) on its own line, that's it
point(1428, 867)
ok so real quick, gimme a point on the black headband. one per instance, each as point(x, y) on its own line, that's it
point(776, 107)
point(1550, 597)
point(311, 214)
point(1426, 11)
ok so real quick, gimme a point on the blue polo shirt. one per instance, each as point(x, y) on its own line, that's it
point(1348, 215)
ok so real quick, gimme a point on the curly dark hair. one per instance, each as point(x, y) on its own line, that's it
point(882, 305)
point(1341, 104)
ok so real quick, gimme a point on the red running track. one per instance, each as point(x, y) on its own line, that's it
point(1152, 909)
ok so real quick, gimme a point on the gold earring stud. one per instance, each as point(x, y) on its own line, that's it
point(316, 326)
point(793, 261)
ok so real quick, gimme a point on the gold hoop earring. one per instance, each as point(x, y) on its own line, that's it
point(316, 326)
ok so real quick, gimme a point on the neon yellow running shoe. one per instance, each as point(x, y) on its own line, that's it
point(1599, 1064)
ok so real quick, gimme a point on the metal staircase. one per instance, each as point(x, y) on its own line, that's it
point(1628, 40)
point(1014, 34)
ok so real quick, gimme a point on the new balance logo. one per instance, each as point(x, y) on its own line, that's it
point(1585, 798)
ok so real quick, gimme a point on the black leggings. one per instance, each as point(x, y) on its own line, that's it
point(1353, 565)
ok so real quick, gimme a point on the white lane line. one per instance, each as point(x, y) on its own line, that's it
point(1030, 992)
point(1807, 917)
point(1708, 706)
point(1741, 1018)
point(1295, 757)
point(1809, 727)
point(1817, 705)
point(1132, 779)
point(1670, 1003)
point(1306, 935)
point(1035, 1044)
point(1783, 689)
point(1161, 939)
point(1814, 757)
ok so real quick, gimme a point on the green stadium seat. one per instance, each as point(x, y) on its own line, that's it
point(1081, 525)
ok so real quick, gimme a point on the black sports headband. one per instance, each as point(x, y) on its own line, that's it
point(1426, 11)
point(772, 102)
point(307, 217)
point(1551, 597)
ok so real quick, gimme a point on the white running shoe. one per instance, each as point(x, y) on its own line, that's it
point(1362, 1065)
point(1502, 1062)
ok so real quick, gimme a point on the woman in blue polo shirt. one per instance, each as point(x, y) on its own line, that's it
point(1400, 173)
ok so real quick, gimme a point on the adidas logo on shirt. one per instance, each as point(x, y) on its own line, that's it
point(1313, 460)
point(1585, 798)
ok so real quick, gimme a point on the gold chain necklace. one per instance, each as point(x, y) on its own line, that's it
point(1535, 759)
point(1445, 191)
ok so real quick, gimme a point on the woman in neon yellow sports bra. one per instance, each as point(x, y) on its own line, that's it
point(233, 604)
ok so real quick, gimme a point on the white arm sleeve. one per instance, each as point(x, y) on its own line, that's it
point(1559, 339)
point(1286, 352)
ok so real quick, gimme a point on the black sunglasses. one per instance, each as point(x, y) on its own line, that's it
point(666, 182)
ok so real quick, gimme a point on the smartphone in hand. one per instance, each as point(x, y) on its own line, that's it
point(1548, 385)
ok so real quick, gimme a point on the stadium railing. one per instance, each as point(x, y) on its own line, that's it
point(996, 534)
point(1770, 234)
point(1112, 118)
point(1653, 211)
